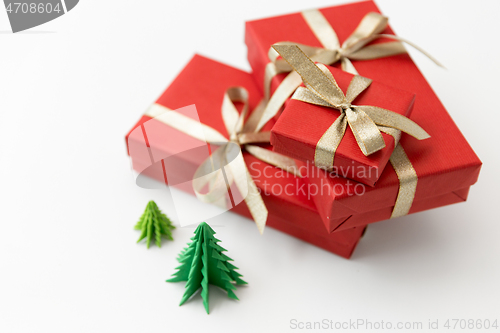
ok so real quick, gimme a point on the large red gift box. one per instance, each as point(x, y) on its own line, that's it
point(445, 164)
point(301, 125)
point(203, 83)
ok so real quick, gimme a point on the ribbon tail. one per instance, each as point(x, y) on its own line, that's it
point(388, 118)
point(280, 161)
point(328, 143)
point(210, 173)
point(407, 181)
point(378, 51)
point(418, 48)
point(249, 191)
point(395, 133)
point(221, 179)
point(365, 131)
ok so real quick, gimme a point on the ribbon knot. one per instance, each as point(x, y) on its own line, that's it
point(234, 138)
point(345, 106)
point(322, 89)
point(341, 54)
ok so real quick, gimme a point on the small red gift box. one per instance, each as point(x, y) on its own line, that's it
point(301, 126)
point(445, 164)
point(203, 82)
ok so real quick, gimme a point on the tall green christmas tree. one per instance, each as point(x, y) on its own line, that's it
point(203, 263)
point(154, 222)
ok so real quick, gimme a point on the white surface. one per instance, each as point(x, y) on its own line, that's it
point(72, 88)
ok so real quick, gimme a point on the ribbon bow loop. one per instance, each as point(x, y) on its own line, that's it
point(368, 29)
point(232, 119)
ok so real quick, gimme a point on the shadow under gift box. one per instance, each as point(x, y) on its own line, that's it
point(445, 164)
point(203, 83)
point(301, 125)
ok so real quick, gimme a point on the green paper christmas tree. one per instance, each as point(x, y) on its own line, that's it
point(154, 222)
point(203, 263)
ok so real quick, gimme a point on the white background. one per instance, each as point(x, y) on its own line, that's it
point(72, 88)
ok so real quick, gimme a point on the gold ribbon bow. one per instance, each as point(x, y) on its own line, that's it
point(226, 165)
point(354, 47)
point(322, 89)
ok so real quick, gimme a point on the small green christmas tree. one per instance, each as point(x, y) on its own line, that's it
point(153, 221)
point(203, 263)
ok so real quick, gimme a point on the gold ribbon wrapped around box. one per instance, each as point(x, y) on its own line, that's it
point(323, 90)
point(354, 48)
point(225, 165)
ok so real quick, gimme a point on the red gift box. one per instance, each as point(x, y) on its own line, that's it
point(203, 83)
point(301, 125)
point(445, 164)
